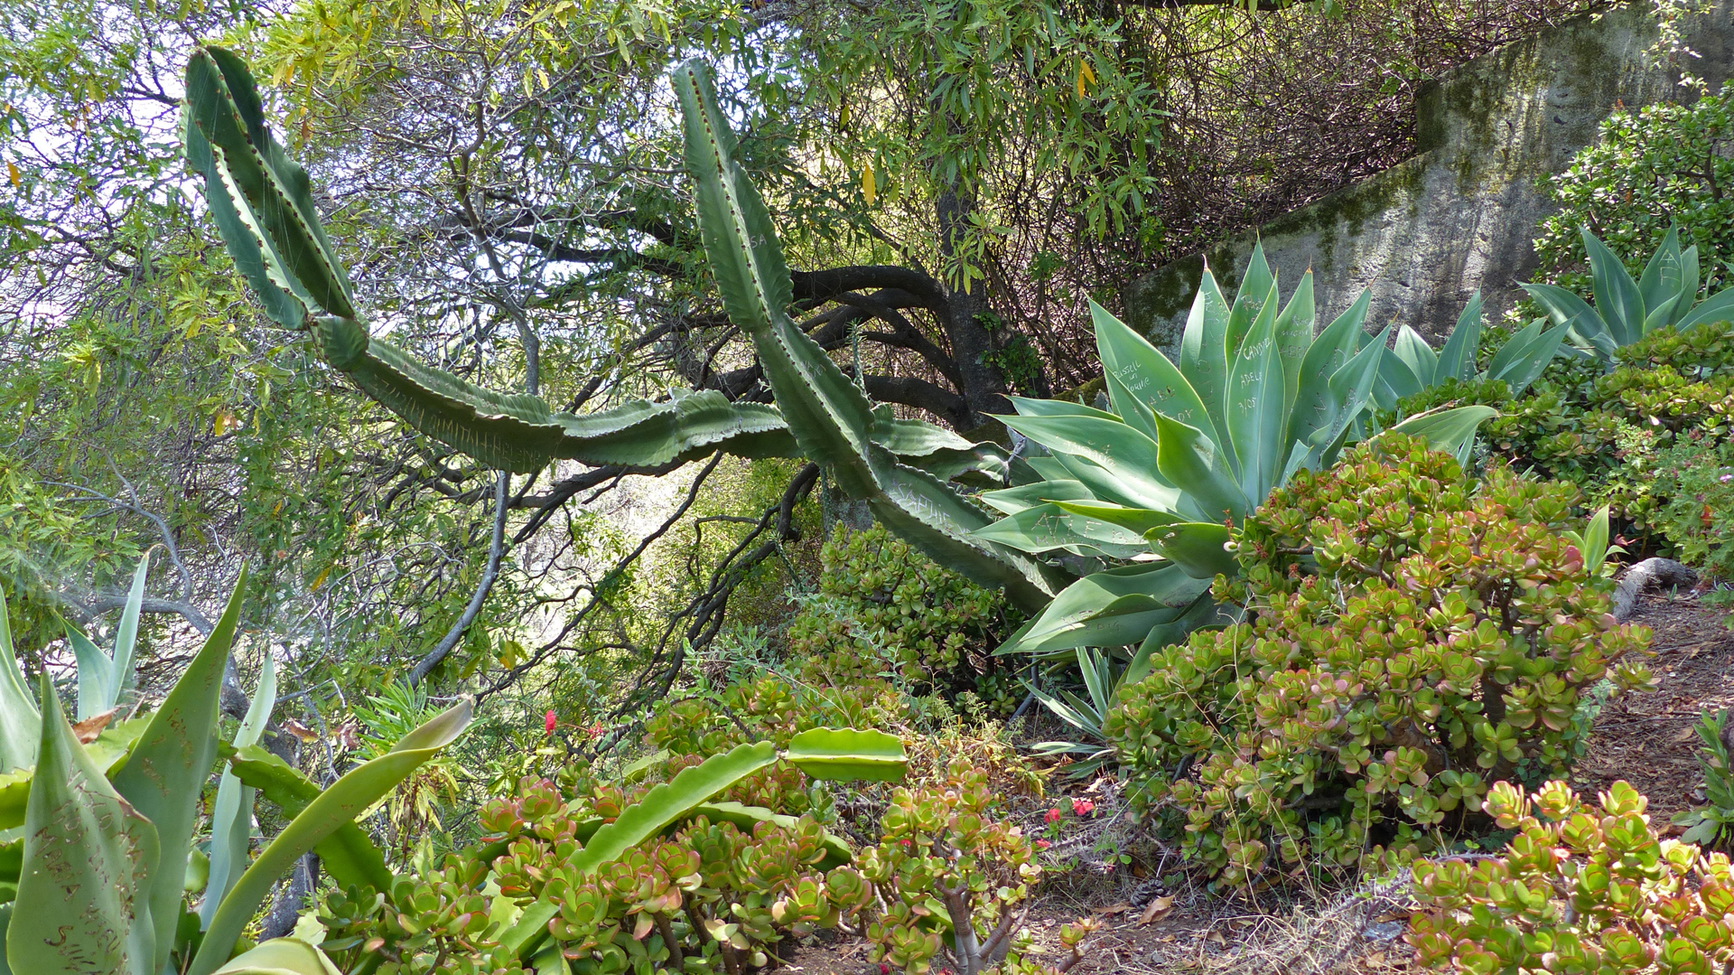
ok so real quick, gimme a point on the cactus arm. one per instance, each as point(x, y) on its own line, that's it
point(830, 417)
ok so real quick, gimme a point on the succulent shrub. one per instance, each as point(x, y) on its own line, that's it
point(1604, 432)
point(1410, 635)
point(1581, 887)
point(717, 889)
point(1626, 308)
point(1660, 167)
point(953, 881)
point(883, 609)
point(101, 847)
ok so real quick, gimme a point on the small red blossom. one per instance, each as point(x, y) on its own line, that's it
point(884, 969)
point(1054, 815)
point(1083, 807)
point(908, 843)
point(549, 722)
point(1042, 844)
point(596, 730)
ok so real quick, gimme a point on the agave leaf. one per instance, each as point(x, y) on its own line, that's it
point(83, 903)
point(1204, 345)
point(95, 672)
point(1146, 375)
point(125, 639)
point(1115, 607)
point(845, 754)
point(1294, 337)
point(338, 805)
point(1254, 406)
point(1419, 361)
point(232, 812)
point(20, 726)
point(1457, 358)
point(110, 748)
point(170, 763)
point(1524, 357)
point(1129, 457)
point(1617, 297)
point(1716, 308)
point(1314, 407)
point(1194, 465)
point(1451, 430)
point(280, 956)
point(1135, 521)
point(1046, 527)
point(1256, 295)
point(1659, 287)
point(1198, 548)
point(1015, 499)
point(1348, 391)
point(1057, 407)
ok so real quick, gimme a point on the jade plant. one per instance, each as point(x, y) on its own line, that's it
point(97, 878)
point(1412, 635)
point(625, 878)
point(1581, 887)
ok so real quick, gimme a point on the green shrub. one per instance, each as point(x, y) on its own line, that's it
point(1712, 824)
point(1410, 635)
point(883, 609)
point(1660, 166)
point(1579, 889)
point(717, 893)
point(1606, 433)
point(1695, 502)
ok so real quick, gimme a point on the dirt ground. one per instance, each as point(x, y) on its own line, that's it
point(1646, 739)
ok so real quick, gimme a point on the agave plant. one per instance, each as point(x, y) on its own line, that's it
point(1185, 452)
point(95, 880)
point(1413, 366)
point(1625, 309)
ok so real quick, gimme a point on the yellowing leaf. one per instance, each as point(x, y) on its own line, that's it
point(1086, 78)
point(869, 188)
point(320, 579)
point(224, 423)
point(13, 174)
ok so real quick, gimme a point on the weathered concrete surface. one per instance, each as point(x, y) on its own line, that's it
point(1462, 214)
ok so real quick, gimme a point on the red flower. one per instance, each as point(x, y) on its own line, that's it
point(884, 969)
point(1042, 844)
point(596, 730)
point(1083, 807)
point(550, 722)
point(1054, 815)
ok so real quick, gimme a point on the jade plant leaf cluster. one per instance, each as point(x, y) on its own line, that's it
point(1412, 635)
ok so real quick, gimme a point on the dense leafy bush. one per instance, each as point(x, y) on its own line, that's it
point(1579, 889)
point(1606, 432)
point(1410, 636)
point(882, 609)
point(1695, 502)
point(1660, 166)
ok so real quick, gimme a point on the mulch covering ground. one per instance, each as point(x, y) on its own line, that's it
point(1646, 739)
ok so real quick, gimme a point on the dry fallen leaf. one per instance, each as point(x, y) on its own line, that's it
point(90, 727)
point(1390, 916)
point(1158, 907)
point(299, 730)
point(1119, 908)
